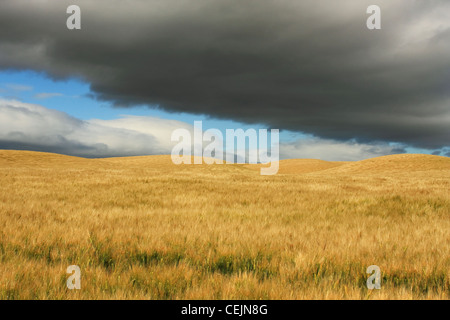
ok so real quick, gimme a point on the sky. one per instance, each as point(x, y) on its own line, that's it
point(137, 70)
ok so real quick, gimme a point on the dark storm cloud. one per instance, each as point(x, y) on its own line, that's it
point(309, 66)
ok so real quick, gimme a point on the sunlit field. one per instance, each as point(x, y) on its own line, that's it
point(144, 228)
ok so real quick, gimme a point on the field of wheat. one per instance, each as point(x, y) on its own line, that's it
point(143, 228)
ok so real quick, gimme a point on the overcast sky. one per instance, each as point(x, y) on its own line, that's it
point(305, 66)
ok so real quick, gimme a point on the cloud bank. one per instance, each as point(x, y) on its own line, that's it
point(34, 127)
point(308, 66)
point(332, 150)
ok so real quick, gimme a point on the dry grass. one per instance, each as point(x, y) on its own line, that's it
point(143, 228)
point(297, 166)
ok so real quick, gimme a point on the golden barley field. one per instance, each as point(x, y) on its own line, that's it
point(144, 228)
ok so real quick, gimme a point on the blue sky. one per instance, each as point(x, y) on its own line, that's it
point(71, 96)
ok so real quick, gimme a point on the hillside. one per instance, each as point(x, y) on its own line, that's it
point(400, 163)
point(386, 164)
point(32, 159)
point(299, 166)
point(144, 228)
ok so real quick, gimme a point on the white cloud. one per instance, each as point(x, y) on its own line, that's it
point(34, 127)
point(46, 95)
point(18, 87)
point(333, 150)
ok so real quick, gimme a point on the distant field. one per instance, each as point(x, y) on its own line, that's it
point(143, 228)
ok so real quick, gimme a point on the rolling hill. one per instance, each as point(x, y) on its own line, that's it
point(144, 228)
point(400, 163)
